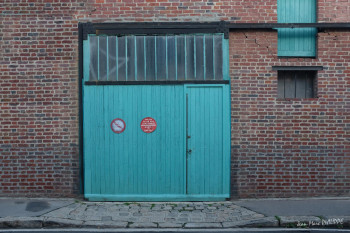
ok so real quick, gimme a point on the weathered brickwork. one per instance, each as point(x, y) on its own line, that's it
point(284, 148)
point(279, 148)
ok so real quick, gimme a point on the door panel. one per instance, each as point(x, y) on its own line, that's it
point(134, 162)
point(208, 124)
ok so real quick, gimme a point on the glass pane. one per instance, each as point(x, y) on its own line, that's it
point(131, 58)
point(218, 57)
point(112, 66)
point(199, 58)
point(171, 58)
point(180, 58)
point(209, 71)
point(190, 57)
point(140, 53)
point(150, 58)
point(102, 58)
point(161, 57)
point(121, 59)
point(93, 69)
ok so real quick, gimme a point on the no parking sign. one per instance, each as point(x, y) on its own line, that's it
point(118, 125)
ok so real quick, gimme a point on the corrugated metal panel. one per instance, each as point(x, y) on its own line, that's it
point(298, 42)
point(152, 58)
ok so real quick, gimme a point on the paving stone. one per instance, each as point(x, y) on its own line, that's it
point(143, 225)
point(21, 222)
point(261, 222)
point(169, 225)
point(203, 225)
point(61, 223)
point(106, 218)
point(124, 214)
point(109, 224)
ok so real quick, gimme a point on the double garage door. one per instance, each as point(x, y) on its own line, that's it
point(159, 141)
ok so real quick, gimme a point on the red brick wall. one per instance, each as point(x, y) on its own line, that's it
point(38, 105)
point(284, 148)
point(39, 96)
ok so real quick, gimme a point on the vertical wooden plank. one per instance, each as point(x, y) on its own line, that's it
point(280, 85)
point(289, 85)
point(86, 159)
point(226, 140)
point(300, 84)
point(310, 82)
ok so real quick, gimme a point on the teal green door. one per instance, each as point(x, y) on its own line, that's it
point(208, 139)
point(186, 158)
point(127, 79)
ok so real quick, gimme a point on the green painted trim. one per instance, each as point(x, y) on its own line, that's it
point(204, 59)
point(156, 197)
point(116, 57)
point(126, 58)
point(135, 62)
point(155, 59)
point(98, 58)
point(184, 137)
point(86, 62)
point(107, 52)
point(225, 59)
point(226, 139)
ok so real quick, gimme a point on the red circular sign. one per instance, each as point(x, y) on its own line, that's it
point(148, 125)
point(118, 125)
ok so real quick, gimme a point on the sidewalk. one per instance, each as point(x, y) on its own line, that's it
point(71, 213)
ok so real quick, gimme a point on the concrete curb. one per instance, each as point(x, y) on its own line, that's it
point(266, 222)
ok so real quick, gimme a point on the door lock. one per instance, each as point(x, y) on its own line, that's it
point(189, 151)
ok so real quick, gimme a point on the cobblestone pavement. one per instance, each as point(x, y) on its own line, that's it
point(72, 213)
point(158, 215)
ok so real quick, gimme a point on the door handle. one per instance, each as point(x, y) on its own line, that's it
point(189, 151)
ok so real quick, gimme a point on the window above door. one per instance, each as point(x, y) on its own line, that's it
point(155, 58)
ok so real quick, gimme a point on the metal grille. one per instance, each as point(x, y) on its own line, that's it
point(156, 58)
